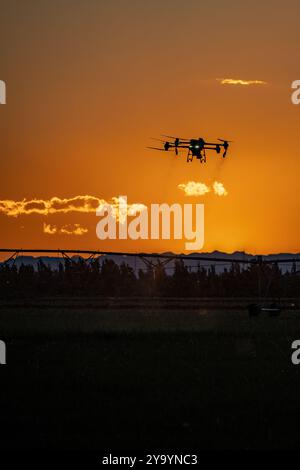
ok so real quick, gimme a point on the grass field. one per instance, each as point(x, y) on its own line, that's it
point(86, 377)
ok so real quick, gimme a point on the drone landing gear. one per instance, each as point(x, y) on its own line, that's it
point(189, 157)
point(203, 157)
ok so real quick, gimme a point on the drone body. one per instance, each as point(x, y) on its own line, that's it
point(195, 147)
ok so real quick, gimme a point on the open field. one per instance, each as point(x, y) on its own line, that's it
point(147, 377)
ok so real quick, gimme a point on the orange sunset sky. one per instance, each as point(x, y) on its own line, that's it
point(89, 82)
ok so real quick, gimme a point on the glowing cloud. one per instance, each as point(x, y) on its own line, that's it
point(49, 229)
point(234, 81)
point(83, 204)
point(192, 188)
point(69, 229)
point(54, 205)
point(219, 189)
point(75, 229)
point(121, 209)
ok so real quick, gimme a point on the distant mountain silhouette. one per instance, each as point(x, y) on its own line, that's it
point(136, 263)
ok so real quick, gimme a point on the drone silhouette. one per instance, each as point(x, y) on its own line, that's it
point(196, 147)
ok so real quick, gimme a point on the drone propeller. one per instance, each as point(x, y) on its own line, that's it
point(158, 140)
point(172, 137)
point(155, 148)
point(225, 140)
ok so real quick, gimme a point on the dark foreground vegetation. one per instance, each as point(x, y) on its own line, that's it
point(109, 279)
point(225, 381)
point(159, 368)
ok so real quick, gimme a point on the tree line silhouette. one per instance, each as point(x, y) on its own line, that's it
point(107, 278)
